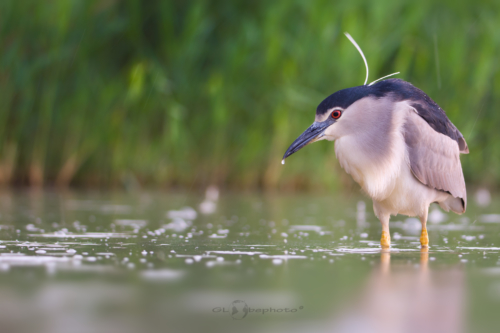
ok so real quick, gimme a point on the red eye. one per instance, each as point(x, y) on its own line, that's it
point(336, 114)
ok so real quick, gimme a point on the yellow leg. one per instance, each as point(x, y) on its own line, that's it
point(385, 241)
point(424, 238)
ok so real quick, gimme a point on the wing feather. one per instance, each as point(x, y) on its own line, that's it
point(434, 158)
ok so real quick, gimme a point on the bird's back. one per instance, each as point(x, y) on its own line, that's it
point(425, 107)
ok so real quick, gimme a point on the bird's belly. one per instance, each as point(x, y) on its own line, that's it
point(375, 171)
point(409, 197)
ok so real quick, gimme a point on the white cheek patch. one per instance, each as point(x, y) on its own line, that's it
point(330, 133)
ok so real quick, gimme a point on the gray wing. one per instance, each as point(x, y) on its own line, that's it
point(434, 157)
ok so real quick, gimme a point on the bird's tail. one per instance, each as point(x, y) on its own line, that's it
point(456, 205)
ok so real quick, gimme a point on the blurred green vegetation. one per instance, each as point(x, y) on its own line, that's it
point(176, 93)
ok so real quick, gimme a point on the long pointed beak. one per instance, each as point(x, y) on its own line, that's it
point(314, 132)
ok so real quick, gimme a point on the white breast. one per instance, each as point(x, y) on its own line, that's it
point(372, 149)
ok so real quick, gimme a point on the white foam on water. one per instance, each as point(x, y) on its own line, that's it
point(178, 224)
point(208, 207)
point(23, 260)
point(59, 234)
point(358, 250)
point(281, 256)
point(277, 261)
point(235, 252)
point(213, 263)
point(479, 248)
point(186, 213)
point(371, 250)
point(397, 236)
point(320, 250)
point(194, 256)
point(131, 223)
point(217, 236)
point(32, 228)
point(47, 248)
point(52, 247)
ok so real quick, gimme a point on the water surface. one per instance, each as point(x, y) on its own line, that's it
point(150, 261)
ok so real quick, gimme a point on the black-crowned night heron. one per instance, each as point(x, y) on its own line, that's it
point(398, 144)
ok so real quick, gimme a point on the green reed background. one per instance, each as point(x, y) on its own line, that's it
point(182, 93)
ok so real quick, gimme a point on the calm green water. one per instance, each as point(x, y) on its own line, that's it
point(129, 262)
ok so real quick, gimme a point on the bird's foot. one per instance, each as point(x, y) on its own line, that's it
point(424, 238)
point(385, 241)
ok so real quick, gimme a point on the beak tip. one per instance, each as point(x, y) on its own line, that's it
point(309, 136)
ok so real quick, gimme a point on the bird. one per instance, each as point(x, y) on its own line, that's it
point(397, 144)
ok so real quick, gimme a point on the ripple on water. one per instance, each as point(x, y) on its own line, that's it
point(250, 253)
point(282, 256)
point(19, 259)
point(479, 248)
point(372, 250)
point(59, 234)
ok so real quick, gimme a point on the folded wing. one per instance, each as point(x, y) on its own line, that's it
point(434, 158)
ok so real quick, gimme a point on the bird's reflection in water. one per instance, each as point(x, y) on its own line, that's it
point(402, 297)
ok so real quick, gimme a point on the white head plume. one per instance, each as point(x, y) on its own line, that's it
point(364, 59)
point(383, 77)
point(360, 52)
